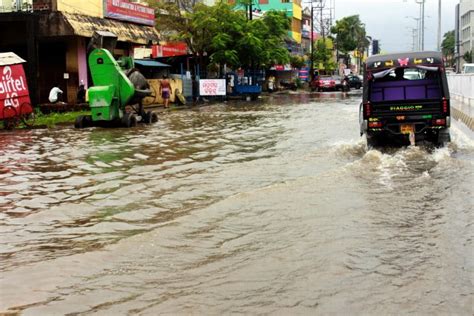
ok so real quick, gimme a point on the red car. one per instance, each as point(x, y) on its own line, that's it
point(323, 83)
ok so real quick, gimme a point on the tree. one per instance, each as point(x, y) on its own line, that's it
point(323, 55)
point(220, 35)
point(350, 35)
point(468, 57)
point(447, 47)
point(297, 61)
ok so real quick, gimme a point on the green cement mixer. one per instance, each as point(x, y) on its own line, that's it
point(111, 93)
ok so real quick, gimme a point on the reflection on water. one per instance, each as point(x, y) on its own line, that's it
point(239, 207)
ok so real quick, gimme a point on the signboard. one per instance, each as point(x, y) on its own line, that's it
point(142, 52)
point(212, 87)
point(131, 12)
point(42, 5)
point(303, 74)
point(13, 91)
point(169, 50)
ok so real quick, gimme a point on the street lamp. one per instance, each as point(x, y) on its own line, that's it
point(311, 69)
point(439, 25)
point(422, 23)
point(414, 34)
point(418, 34)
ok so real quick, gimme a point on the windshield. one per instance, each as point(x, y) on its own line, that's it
point(404, 74)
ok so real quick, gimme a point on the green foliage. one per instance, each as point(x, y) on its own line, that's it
point(350, 34)
point(323, 55)
point(448, 43)
point(52, 119)
point(299, 83)
point(468, 57)
point(447, 47)
point(297, 61)
point(224, 35)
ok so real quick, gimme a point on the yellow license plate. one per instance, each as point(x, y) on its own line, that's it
point(407, 128)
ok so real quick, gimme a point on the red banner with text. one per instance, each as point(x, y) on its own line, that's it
point(169, 50)
point(127, 11)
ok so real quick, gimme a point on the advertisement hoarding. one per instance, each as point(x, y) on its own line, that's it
point(169, 50)
point(13, 91)
point(212, 87)
point(131, 12)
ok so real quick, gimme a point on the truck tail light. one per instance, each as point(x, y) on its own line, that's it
point(375, 124)
point(445, 106)
point(439, 122)
point(367, 109)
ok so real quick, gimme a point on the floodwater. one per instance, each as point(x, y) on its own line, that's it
point(274, 207)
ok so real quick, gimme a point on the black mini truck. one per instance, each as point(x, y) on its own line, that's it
point(405, 99)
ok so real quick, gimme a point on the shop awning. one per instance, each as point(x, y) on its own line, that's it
point(69, 24)
point(150, 63)
point(10, 59)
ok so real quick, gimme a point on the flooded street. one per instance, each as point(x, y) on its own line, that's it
point(255, 208)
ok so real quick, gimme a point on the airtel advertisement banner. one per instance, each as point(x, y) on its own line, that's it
point(169, 50)
point(14, 95)
point(127, 11)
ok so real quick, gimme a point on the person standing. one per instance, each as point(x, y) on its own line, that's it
point(271, 83)
point(165, 90)
point(55, 94)
point(81, 94)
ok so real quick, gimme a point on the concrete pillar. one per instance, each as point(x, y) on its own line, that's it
point(82, 61)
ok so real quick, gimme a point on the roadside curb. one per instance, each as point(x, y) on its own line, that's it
point(462, 112)
point(463, 117)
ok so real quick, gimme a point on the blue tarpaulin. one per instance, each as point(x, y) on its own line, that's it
point(150, 63)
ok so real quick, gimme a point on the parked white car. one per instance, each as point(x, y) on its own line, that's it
point(468, 69)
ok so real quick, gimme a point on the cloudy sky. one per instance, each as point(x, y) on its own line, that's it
point(385, 20)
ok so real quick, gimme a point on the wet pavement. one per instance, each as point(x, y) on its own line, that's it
point(256, 208)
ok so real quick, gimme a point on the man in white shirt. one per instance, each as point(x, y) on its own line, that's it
point(55, 94)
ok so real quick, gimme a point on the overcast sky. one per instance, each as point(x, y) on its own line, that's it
point(385, 20)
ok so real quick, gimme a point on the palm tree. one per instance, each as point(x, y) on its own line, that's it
point(350, 34)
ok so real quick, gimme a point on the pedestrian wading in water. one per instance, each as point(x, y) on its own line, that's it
point(165, 90)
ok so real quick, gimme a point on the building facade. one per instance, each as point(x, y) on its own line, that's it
point(291, 7)
point(53, 37)
point(466, 27)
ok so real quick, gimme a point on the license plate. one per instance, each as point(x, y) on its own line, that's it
point(407, 128)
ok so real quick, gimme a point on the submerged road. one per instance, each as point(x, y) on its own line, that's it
point(255, 208)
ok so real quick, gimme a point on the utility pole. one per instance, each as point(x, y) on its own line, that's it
point(414, 35)
point(422, 23)
point(311, 68)
point(439, 26)
point(322, 22)
point(417, 40)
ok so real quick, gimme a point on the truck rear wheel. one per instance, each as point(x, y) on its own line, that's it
point(443, 137)
point(372, 141)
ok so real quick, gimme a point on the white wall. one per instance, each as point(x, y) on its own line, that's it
point(5, 5)
point(461, 88)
